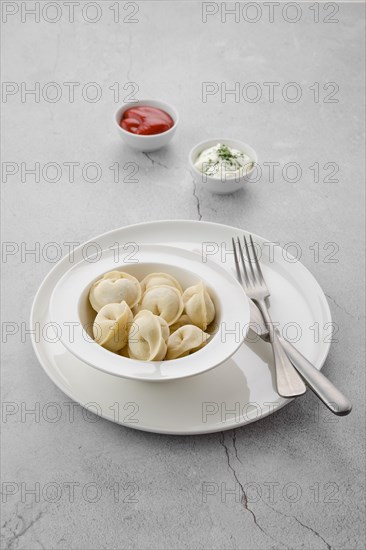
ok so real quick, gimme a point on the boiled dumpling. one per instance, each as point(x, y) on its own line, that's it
point(111, 326)
point(165, 332)
point(124, 352)
point(115, 287)
point(146, 339)
point(185, 340)
point(183, 320)
point(159, 279)
point(152, 320)
point(198, 305)
point(165, 301)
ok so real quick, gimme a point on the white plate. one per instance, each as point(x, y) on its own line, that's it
point(239, 391)
point(70, 305)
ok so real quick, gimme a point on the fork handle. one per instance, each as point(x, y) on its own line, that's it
point(288, 381)
point(331, 396)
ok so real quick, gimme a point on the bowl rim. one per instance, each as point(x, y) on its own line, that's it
point(122, 108)
point(243, 146)
point(119, 365)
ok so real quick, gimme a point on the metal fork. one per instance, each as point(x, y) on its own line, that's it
point(288, 381)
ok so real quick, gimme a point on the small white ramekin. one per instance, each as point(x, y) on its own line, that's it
point(216, 185)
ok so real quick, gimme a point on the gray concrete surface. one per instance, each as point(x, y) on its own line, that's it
point(314, 463)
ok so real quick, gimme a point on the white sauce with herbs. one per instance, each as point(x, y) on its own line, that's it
point(222, 162)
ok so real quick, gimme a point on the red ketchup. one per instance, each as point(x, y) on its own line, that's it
point(146, 121)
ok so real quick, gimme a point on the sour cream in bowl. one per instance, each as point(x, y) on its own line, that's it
point(222, 165)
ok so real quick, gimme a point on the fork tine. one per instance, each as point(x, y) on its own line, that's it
point(246, 276)
point(256, 260)
point(249, 259)
point(237, 262)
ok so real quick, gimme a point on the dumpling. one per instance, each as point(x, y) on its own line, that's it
point(115, 287)
point(124, 352)
point(111, 325)
point(165, 301)
point(185, 340)
point(159, 279)
point(145, 339)
point(183, 320)
point(165, 332)
point(198, 305)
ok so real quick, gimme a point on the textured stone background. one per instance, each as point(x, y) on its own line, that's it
point(169, 52)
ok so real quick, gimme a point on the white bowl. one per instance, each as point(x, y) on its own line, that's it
point(69, 307)
point(216, 185)
point(146, 143)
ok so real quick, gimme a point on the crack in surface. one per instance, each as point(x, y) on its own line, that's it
point(244, 499)
point(197, 201)
point(329, 547)
point(358, 317)
point(25, 528)
point(11, 529)
point(234, 447)
point(153, 161)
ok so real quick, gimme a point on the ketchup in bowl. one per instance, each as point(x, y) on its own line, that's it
point(146, 121)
